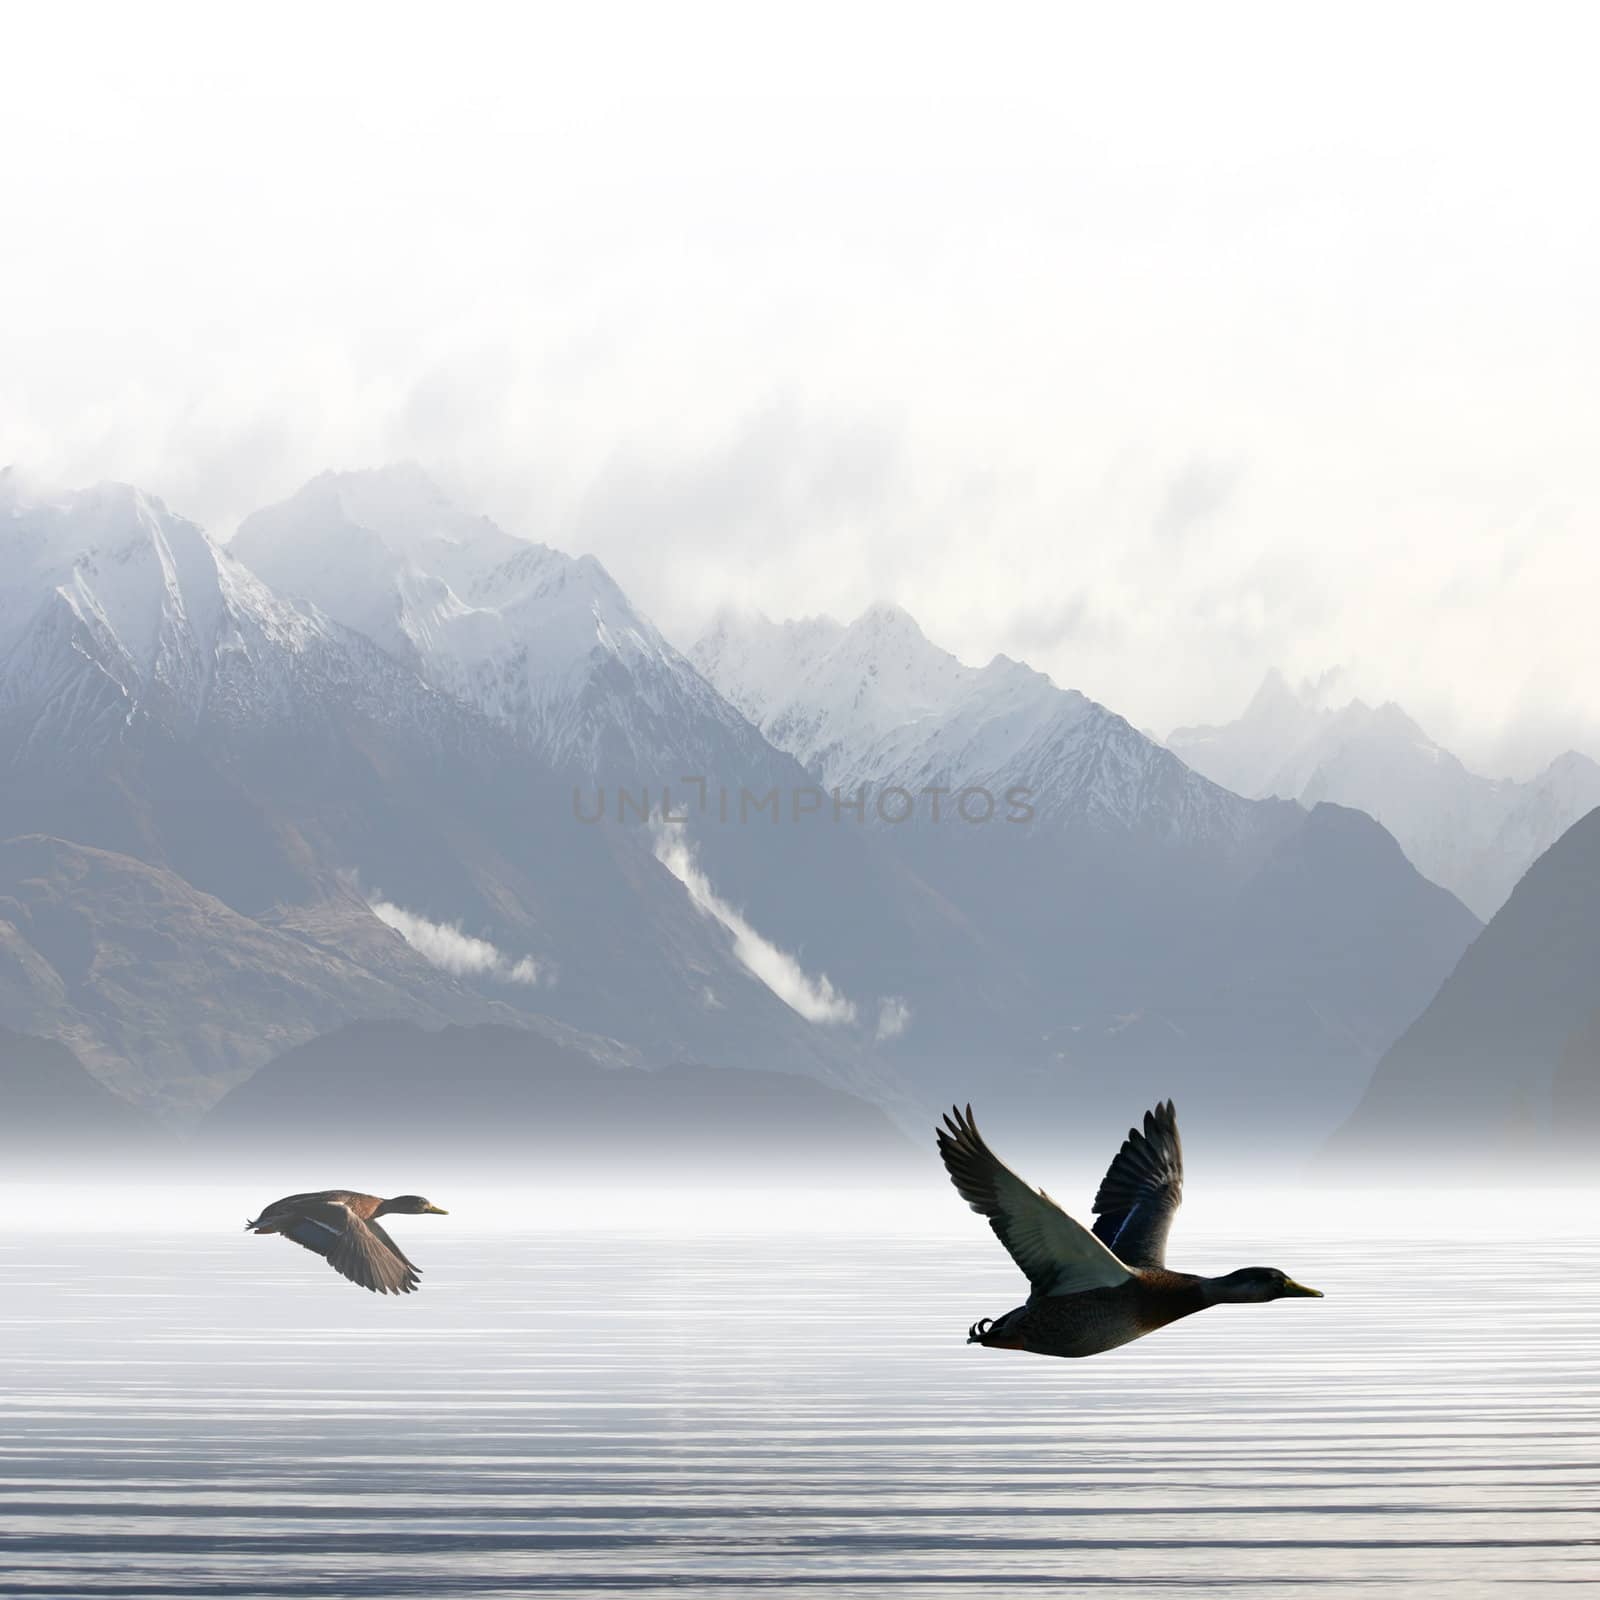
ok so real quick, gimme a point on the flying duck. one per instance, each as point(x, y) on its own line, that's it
point(343, 1228)
point(1095, 1291)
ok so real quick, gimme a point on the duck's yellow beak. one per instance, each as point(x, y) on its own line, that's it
point(1291, 1288)
point(436, 1211)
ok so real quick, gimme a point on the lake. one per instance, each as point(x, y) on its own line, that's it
point(721, 1402)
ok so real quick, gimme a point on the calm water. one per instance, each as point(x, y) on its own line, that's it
point(582, 1412)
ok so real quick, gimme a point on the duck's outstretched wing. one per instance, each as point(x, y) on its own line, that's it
point(383, 1238)
point(361, 1251)
point(1141, 1191)
point(1058, 1256)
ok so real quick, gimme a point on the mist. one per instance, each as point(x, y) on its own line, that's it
point(805, 328)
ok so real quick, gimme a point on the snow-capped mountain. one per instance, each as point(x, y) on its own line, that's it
point(1473, 834)
point(1175, 930)
point(163, 706)
point(543, 643)
point(1247, 754)
point(111, 606)
point(351, 743)
point(875, 703)
point(828, 693)
point(117, 613)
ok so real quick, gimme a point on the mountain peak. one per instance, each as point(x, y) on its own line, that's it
point(400, 505)
point(1273, 695)
point(887, 620)
point(1571, 764)
point(878, 703)
point(1471, 834)
point(537, 640)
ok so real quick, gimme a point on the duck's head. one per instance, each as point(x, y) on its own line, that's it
point(1251, 1284)
point(410, 1204)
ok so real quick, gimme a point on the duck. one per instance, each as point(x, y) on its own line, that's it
point(342, 1227)
point(1093, 1290)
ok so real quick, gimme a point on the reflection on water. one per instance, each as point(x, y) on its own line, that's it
point(574, 1414)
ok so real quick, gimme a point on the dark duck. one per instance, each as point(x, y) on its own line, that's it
point(1093, 1291)
point(342, 1227)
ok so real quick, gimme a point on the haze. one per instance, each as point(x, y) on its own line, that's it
point(1120, 344)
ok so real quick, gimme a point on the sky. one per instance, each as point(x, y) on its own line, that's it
point(1156, 348)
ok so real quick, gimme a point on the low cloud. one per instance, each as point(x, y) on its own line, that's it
point(815, 999)
point(894, 1016)
point(444, 945)
point(1194, 495)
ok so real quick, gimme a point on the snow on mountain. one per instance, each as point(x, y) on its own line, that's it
point(162, 705)
point(386, 704)
point(1167, 931)
point(540, 641)
point(828, 693)
point(1472, 834)
point(113, 608)
point(1247, 754)
point(876, 703)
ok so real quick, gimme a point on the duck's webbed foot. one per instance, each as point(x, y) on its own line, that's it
point(976, 1332)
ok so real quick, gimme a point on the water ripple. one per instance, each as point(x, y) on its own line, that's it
point(582, 1414)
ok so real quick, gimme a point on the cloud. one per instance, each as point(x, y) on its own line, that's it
point(894, 1016)
point(1195, 494)
point(845, 356)
point(815, 999)
point(444, 945)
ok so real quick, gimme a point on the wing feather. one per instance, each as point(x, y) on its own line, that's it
point(1057, 1255)
point(1142, 1190)
point(363, 1252)
point(383, 1238)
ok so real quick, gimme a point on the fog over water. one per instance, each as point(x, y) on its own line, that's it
point(723, 1393)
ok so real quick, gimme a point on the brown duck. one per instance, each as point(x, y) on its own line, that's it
point(342, 1227)
point(1094, 1291)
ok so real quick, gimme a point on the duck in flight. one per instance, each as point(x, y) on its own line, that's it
point(343, 1228)
point(1094, 1291)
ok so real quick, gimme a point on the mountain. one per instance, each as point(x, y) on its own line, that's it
point(115, 611)
point(171, 996)
point(1248, 754)
point(547, 650)
point(538, 641)
point(876, 704)
point(1503, 1061)
point(56, 1111)
point(1174, 936)
point(1474, 835)
point(422, 772)
point(164, 706)
point(493, 1099)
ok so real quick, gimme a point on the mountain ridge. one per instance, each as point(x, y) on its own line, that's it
point(1472, 834)
point(1065, 958)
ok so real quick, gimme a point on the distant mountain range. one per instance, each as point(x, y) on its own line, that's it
point(1173, 933)
point(161, 705)
point(1474, 835)
point(347, 769)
